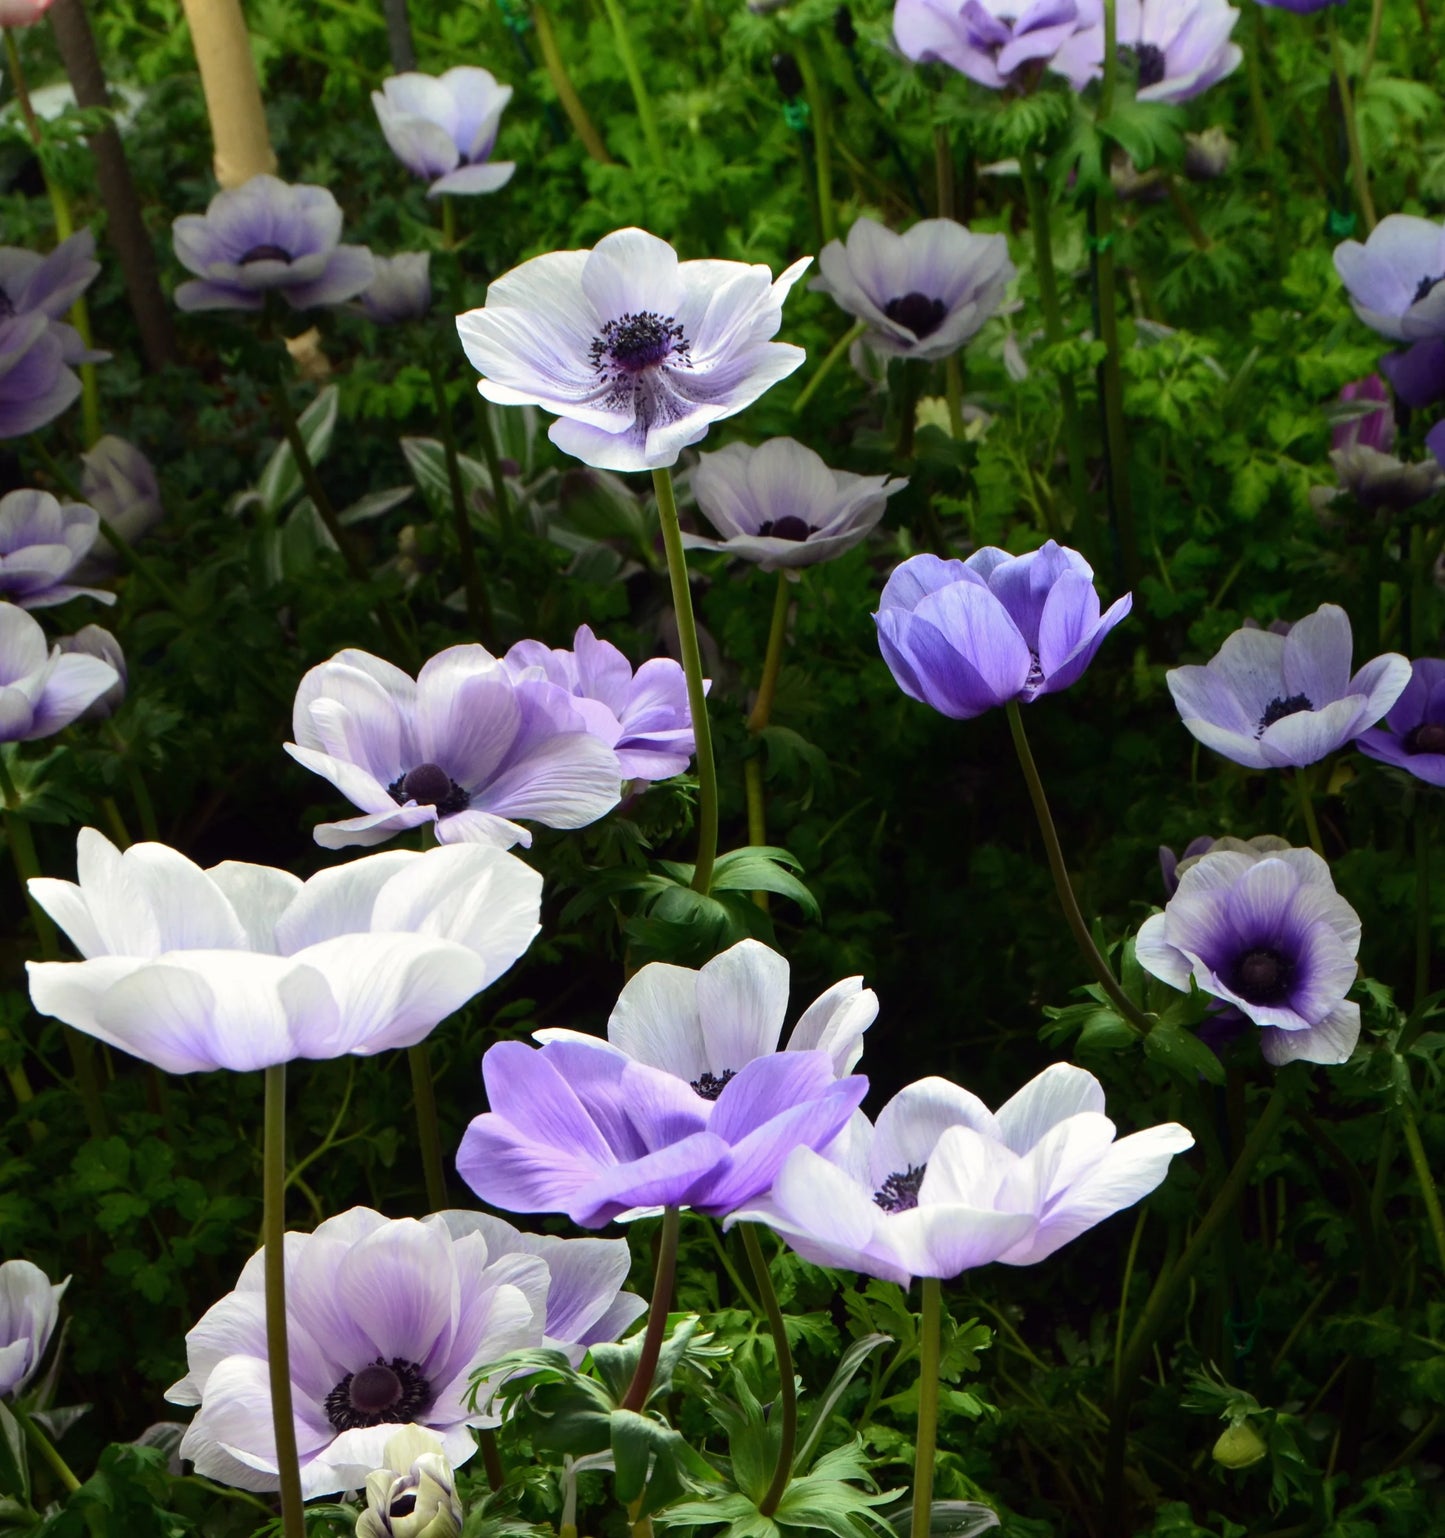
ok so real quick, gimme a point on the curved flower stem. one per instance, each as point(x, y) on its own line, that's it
point(787, 1387)
point(838, 349)
point(1305, 794)
point(822, 139)
point(1423, 831)
point(638, 1389)
point(646, 115)
point(1425, 1179)
point(929, 1330)
point(273, 1228)
point(428, 1130)
point(758, 718)
point(953, 393)
point(582, 124)
point(492, 1459)
point(1067, 901)
point(1372, 42)
point(692, 668)
point(1358, 173)
point(1255, 58)
point(47, 1449)
point(1129, 1260)
point(479, 603)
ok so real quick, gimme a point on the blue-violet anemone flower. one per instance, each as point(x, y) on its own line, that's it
point(35, 384)
point(42, 542)
point(49, 285)
point(1175, 49)
point(1396, 279)
point(42, 688)
point(29, 1308)
point(443, 127)
point(991, 41)
point(97, 641)
point(1415, 739)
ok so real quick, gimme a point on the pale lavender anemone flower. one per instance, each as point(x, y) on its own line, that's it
point(465, 746)
point(244, 967)
point(443, 128)
point(31, 284)
point(923, 293)
point(964, 636)
point(643, 717)
point(42, 543)
point(400, 290)
point(1396, 279)
point(267, 236)
point(42, 689)
point(779, 505)
point(1265, 931)
point(388, 1320)
point(1272, 701)
point(35, 384)
point(97, 641)
point(1415, 739)
point(1176, 49)
point(29, 1309)
point(994, 42)
point(942, 1184)
point(637, 353)
point(120, 483)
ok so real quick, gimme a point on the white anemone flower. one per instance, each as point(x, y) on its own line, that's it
point(29, 1308)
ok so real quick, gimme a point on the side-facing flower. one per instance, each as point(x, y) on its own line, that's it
point(266, 236)
point(443, 128)
point(1396, 279)
point(415, 1494)
point(964, 636)
point(1265, 931)
point(42, 689)
point(780, 505)
point(31, 284)
point(1415, 739)
point(97, 641)
point(991, 41)
point(242, 966)
point(1360, 445)
point(923, 293)
point(42, 542)
point(35, 384)
point(643, 717)
point(1270, 701)
point(120, 483)
point(942, 1184)
point(1175, 49)
point(29, 1308)
point(464, 746)
point(1172, 867)
point(636, 352)
point(400, 289)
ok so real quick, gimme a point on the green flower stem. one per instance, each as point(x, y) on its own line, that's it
point(1372, 42)
point(929, 1332)
point(758, 718)
point(427, 1129)
point(787, 1386)
point(501, 497)
point(556, 67)
point(943, 173)
point(47, 1449)
point(663, 1278)
point(449, 224)
point(492, 1459)
point(692, 668)
point(909, 375)
point(1359, 175)
point(1129, 1260)
point(1305, 795)
point(1187, 217)
point(479, 603)
point(273, 1170)
point(1254, 67)
point(1422, 831)
point(1067, 901)
point(822, 139)
point(1156, 1310)
point(837, 351)
point(1425, 1179)
point(953, 393)
point(646, 115)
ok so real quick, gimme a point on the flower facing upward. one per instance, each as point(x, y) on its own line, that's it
point(1273, 701)
point(1265, 931)
point(924, 293)
point(35, 384)
point(29, 1308)
point(1415, 740)
point(443, 128)
point(964, 636)
point(1175, 49)
point(43, 689)
point(400, 289)
point(779, 505)
point(942, 1184)
point(636, 353)
point(42, 541)
point(31, 284)
point(1396, 279)
point(990, 41)
point(266, 236)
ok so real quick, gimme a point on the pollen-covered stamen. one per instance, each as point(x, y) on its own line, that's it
point(1147, 59)
point(920, 314)
point(711, 1085)
point(789, 526)
point(637, 342)
point(1278, 709)
point(1263, 976)
point(899, 1193)
point(430, 785)
point(1428, 737)
point(265, 254)
point(1427, 287)
point(380, 1394)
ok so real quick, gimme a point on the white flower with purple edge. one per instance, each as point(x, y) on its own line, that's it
point(49, 285)
point(42, 688)
point(42, 542)
point(443, 128)
point(1412, 735)
point(120, 483)
point(29, 1309)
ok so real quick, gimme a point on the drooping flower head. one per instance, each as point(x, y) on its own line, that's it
point(923, 293)
point(35, 384)
point(97, 641)
point(1412, 736)
point(1272, 701)
point(1265, 931)
point(464, 746)
point(780, 505)
point(443, 128)
point(414, 1495)
point(29, 1308)
point(636, 352)
point(942, 1184)
point(31, 284)
point(266, 236)
point(964, 636)
point(991, 41)
point(120, 483)
point(42, 689)
point(400, 289)
point(1174, 49)
point(42, 542)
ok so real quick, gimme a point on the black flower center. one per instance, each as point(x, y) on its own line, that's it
point(1263, 976)
point(711, 1085)
point(7, 304)
point(1278, 709)
point(430, 785)
point(265, 254)
point(1428, 737)
point(403, 1505)
point(922, 315)
point(1427, 287)
point(638, 342)
point(788, 527)
point(379, 1395)
point(899, 1193)
point(1147, 59)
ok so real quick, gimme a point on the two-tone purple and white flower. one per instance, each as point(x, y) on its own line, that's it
point(1175, 49)
point(443, 128)
point(400, 289)
point(43, 688)
point(42, 543)
point(31, 284)
point(35, 383)
point(29, 1309)
point(995, 42)
point(1412, 735)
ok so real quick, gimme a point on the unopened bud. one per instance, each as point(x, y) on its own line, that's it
point(1238, 1446)
point(415, 1495)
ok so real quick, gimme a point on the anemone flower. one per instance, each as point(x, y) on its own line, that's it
point(29, 1308)
point(464, 746)
point(964, 636)
point(244, 967)
point(994, 42)
point(942, 1184)
point(97, 641)
point(400, 289)
point(443, 128)
point(35, 384)
point(643, 716)
point(1265, 931)
point(779, 505)
point(637, 353)
point(120, 483)
point(268, 237)
point(1176, 49)
point(1360, 445)
point(42, 689)
point(1412, 736)
point(42, 542)
point(1272, 701)
point(388, 1319)
point(1396, 279)
point(31, 284)
point(922, 294)
point(414, 1493)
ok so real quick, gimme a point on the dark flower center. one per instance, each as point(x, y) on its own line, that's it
point(1428, 737)
point(922, 315)
point(1427, 286)
point(638, 342)
point(430, 785)
point(265, 254)
point(789, 527)
point(379, 1395)
point(1278, 709)
point(1262, 976)
point(711, 1085)
point(1148, 60)
point(899, 1193)
point(403, 1505)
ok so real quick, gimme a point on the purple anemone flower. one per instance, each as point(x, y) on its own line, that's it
point(990, 41)
point(1371, 422)
point(1266, 932)
point(388, 1321)
point(1417, 373)
point(266, 236)
point(443, 128)
point(942, 1184)
point(923, 293)
point(464, 746)
point(637, 353)
point(42, 542)
point(1415, 739)
point(1176, 49)
point(29, 1309)
point(49, 286)
point(42, 689)
point(964, 636)
point(35, 384)
point(781, 506)
point(400, 290)
point(1272, 701)
point(643, 717)
point(120, 483)
point(1396, 279)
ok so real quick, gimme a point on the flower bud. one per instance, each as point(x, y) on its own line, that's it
point(119, 482)
point(415, 1496)
point(1207, 156)
point(1238, 1446)
point(401, 289)
point(97, 641)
